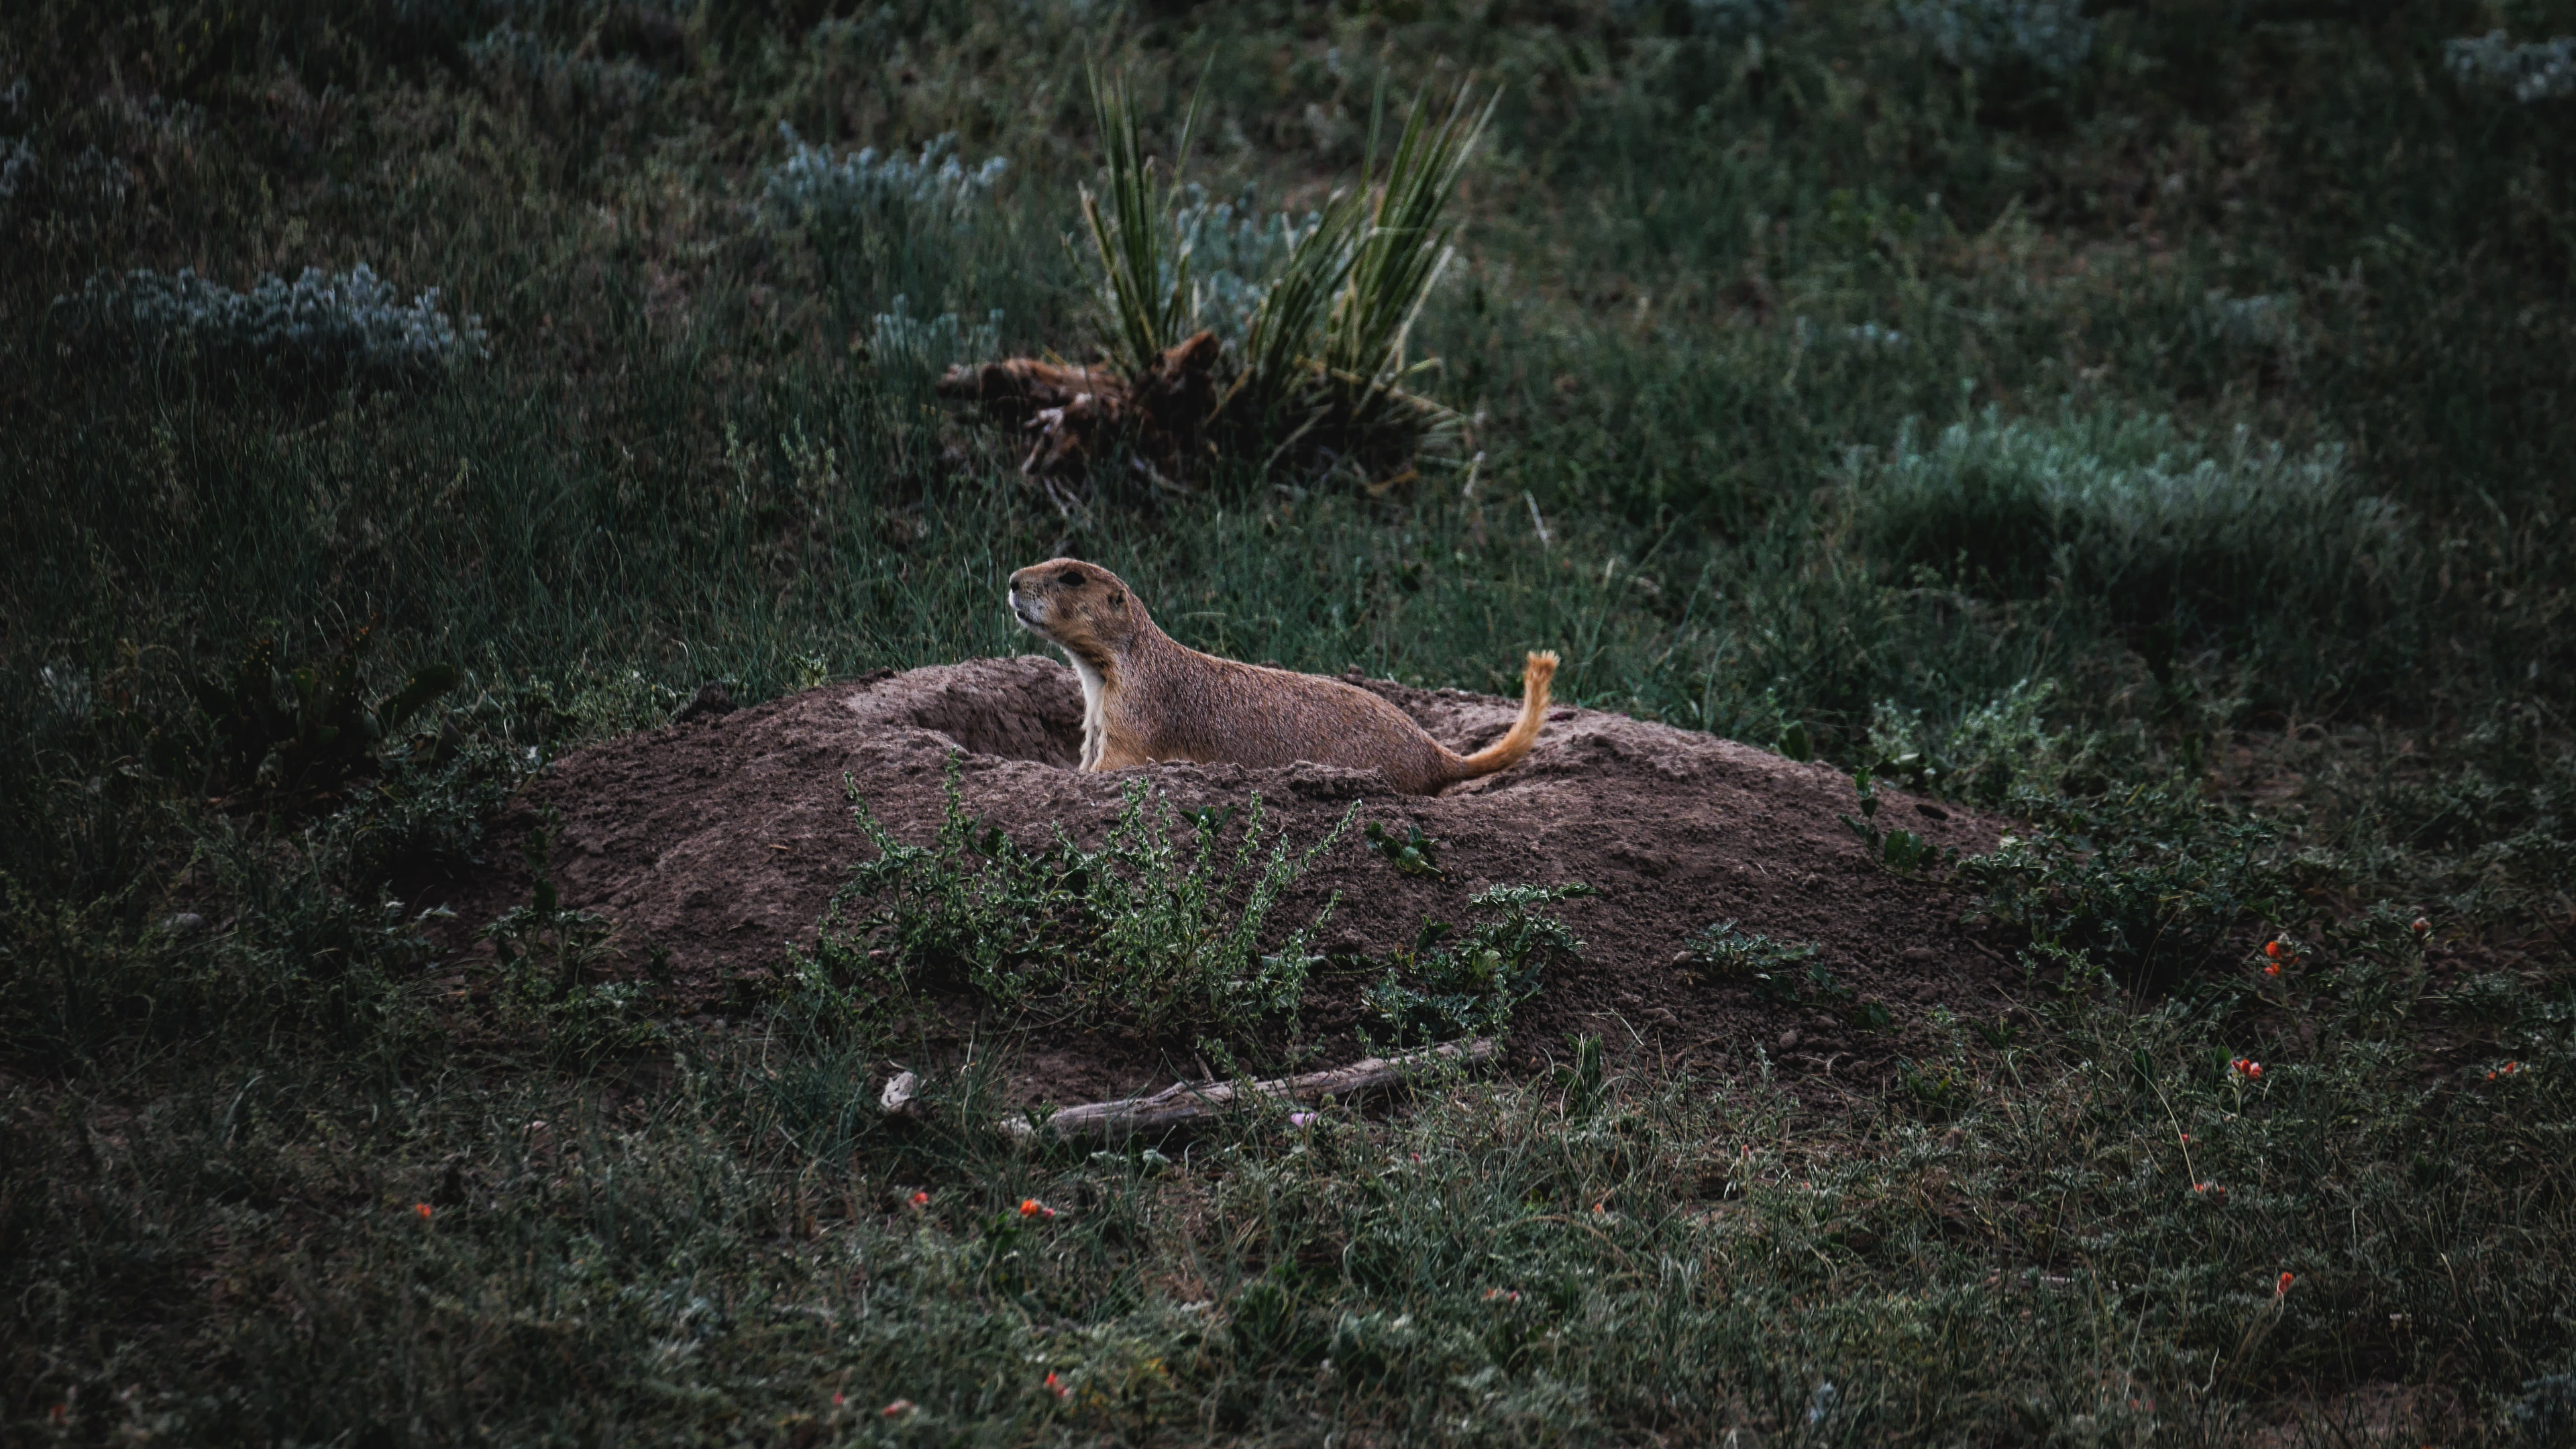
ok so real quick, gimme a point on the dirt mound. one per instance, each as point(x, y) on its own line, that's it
point(718, 841)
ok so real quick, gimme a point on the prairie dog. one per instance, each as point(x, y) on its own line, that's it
point(1146, 697)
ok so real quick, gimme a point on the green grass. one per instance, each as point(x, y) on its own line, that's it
point(1141, 934)
point(2167, 445)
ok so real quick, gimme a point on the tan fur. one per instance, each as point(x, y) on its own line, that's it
point(1147, 698)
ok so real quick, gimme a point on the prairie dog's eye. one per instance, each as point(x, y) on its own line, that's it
point(1070, 578)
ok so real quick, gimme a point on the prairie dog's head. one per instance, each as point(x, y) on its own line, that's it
point(1079, 606)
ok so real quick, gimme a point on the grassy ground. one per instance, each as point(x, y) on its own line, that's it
point(2162, 435)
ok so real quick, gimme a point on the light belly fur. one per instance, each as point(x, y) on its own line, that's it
point(1095, 730)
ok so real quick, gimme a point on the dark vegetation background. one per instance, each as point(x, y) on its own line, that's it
point(2154, 421)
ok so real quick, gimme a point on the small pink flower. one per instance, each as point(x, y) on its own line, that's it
point(1301, 1119)
point(897, 1409)
point(1058, 1387)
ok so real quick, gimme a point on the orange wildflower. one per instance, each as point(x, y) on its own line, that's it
point(2272, 949)
point(1032, 1208)
point(423, 1209)
point(2282, 1288)
point(921, 1199)
point(1058, 1387)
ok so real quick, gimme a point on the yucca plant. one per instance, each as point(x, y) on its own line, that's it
point(1400, 254)
point(1323, 357)
point(1280, 366)
point(1144, 260)
point(1326, 346)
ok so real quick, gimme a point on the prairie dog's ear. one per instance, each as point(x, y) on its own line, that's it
point(1117, 598)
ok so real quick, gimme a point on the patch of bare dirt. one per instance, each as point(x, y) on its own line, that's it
point(719, 841)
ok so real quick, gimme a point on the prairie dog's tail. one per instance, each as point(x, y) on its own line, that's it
point(1506, 752)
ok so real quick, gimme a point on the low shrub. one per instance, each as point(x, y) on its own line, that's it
point(2530, 72)
point(2053, 37)
point(325, 324)
point(1731, 953)
point(2146, 885)
point(884, 225)
point(2130, 511)
point(1145, 932)
point(1432, 992)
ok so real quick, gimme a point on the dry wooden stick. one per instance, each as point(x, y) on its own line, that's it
point(1184, 1102)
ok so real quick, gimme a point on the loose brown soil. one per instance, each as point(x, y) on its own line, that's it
point(720, 841)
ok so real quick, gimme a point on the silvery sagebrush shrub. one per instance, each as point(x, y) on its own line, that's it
point(1234, 249)
point(2128, 509)
point(2546, 1412)
point(2268, 320)
point(18, 158)
point(809, 188)
point(18, 163)
point(2534, 71)
point(1737, 19)
point(2051, 36)
point(32, 183)
point(900, 341)
point(1861, 337)
point(514, 59)
point(351, 321)
point(1723, 21)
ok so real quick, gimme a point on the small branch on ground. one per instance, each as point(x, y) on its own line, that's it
point(1187, 1102)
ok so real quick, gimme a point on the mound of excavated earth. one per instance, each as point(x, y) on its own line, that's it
point(719, 841)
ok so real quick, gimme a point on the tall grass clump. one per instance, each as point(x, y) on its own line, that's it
point(2130, 511)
